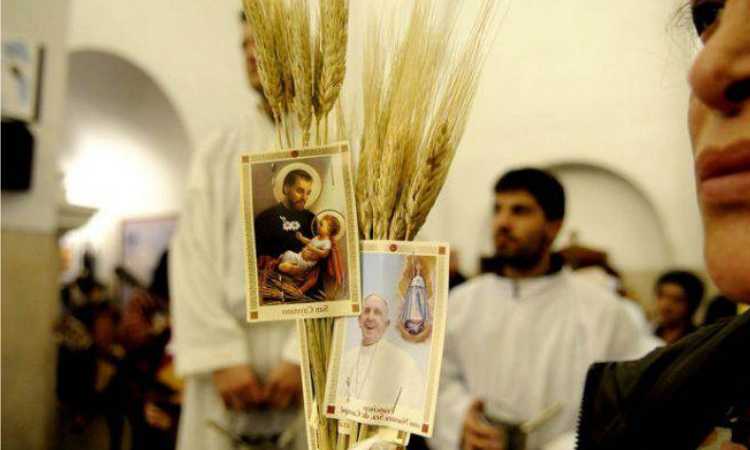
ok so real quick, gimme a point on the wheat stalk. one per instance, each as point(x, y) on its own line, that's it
point(403, 106)
point(300, 52)
point(260, 15)
point(449, 123)
point(421, 115)
point(333, 42)
point(280, 18)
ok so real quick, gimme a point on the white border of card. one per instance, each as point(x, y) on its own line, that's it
point(285, 309)
point(414, 342)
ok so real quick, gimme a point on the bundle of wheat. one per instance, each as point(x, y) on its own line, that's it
point(301, 66)
point(415, 114)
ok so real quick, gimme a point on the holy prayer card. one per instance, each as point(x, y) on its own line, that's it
point(301, 236)
point(384, 367)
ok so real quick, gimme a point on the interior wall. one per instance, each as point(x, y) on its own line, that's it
point(192, 52)
point(607, 212)
point(29, 252)
point(30, 306)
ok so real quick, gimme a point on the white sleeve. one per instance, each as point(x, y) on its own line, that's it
point(625, 340)
point(206, 336)
point(291, 350)
point(566, 441)
point(453, 397)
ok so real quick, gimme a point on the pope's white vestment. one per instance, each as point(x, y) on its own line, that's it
point(207, 283)
point(381, 374)
point(523, 346)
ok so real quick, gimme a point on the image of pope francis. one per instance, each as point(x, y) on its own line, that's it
point(376, 371)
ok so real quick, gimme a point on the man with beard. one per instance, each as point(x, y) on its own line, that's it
point(276, 227)
point(519, 341)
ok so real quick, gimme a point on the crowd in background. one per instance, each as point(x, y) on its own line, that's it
point(113, 361)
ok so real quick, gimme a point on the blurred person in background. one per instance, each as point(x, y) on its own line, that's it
point(695, 393)
point(242, 381)
point(519, 340)
point(89, 362)
point(153, 392)
point(679, 293)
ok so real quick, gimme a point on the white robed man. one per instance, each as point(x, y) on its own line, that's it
point(377, 371)
point(243, 379)
point(520, 339)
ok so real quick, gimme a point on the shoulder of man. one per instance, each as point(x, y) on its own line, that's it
point(592, 296)
point(470, 288)
point(270, 212)
point(463, 299)
point(249, 134)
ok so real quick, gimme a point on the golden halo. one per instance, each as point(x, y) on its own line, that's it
point(334, 213)
point(278, 182)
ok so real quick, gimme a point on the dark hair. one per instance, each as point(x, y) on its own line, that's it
point(719, 308)
point(334, 222)
point(543, 186)
point(160, 279)
point(690, 284)
point(292, 177)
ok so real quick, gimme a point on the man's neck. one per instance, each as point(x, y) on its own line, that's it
point(539, 269)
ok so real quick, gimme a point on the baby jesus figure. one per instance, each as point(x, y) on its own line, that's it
point(315, 250)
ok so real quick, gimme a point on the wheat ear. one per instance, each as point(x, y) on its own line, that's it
point(448, 123)
point(260, 15)
point(300, 52)
point(334, 15)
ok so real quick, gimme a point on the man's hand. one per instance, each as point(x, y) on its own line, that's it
point(238, 387)
point(284, 385)
point(156, 417)
point(477, 433)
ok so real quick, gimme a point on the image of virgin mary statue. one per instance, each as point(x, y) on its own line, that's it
point(415, 314)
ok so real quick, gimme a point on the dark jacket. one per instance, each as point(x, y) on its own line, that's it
point(672, 398)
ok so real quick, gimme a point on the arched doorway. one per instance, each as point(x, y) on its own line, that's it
point(125, 151)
